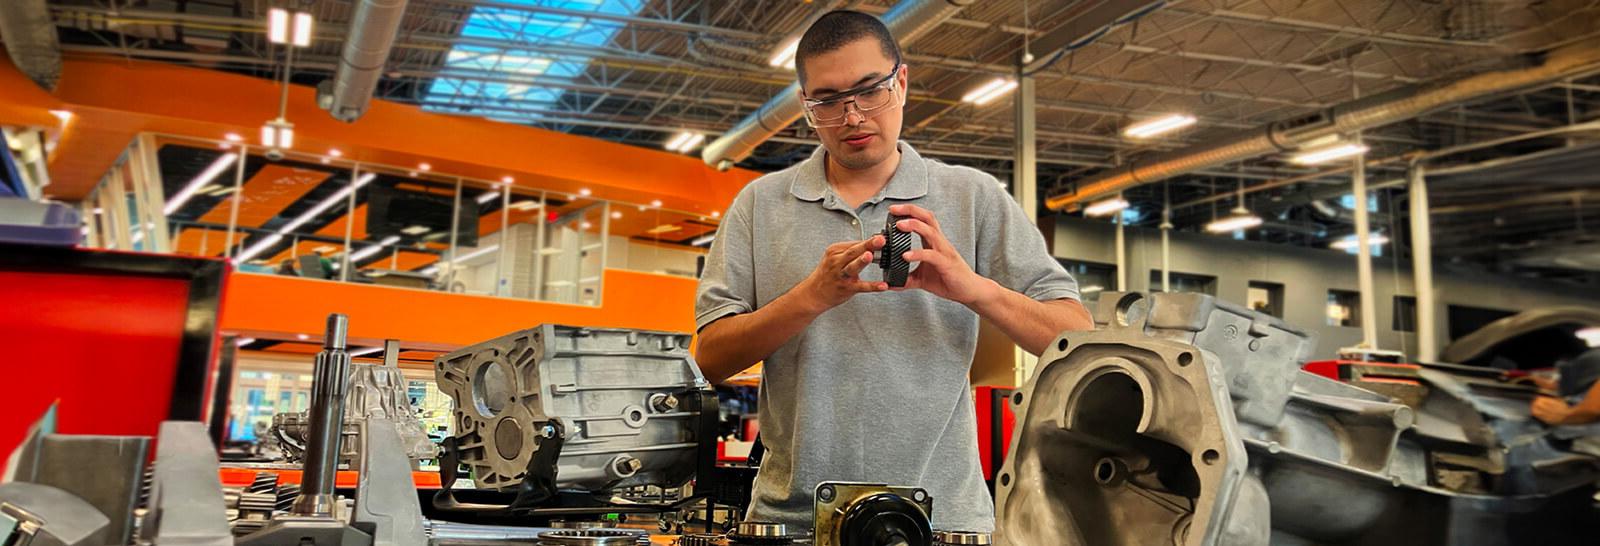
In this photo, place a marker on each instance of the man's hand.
(838, 276)
(1550, 410)
(941, 269)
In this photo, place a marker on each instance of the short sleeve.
(727, 284)
(1012, 251)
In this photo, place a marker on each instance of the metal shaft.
(327, 421)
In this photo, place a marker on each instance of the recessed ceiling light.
(616, 215)
(507, 179)
(586, 225)
(335, 152)
(414, 230)
(233, 137)
(663, 228)
(656, 203)
(716, 214)
(302, 337)
(424, 167)
(584, 192)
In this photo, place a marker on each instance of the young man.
(862, 383)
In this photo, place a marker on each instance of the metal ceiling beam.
(1385, 37)
(1085, 19)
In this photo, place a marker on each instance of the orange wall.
(264, 304)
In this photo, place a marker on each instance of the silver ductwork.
(30, 39)
(1378, 110)
(907, 20)
(366, 50)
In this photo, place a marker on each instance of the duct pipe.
(907, 20)
(1374, 111)
(366, 51)
(1422, 264)
(30, 40)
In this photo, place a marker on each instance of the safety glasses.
(869, 100)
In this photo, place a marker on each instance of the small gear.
(701, 539)
(892, 259)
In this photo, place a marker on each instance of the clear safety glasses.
(831, 111)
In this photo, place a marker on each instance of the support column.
(1422, 264)
(1025, 187)
(1369, 315)
(1166, 250)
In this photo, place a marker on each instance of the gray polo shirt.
(876, 389)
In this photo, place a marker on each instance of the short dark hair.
(839, 27)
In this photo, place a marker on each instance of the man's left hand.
(940, 269)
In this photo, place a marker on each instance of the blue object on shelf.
(30, 222)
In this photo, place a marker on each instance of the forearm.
(1031, 324)
(732, 344)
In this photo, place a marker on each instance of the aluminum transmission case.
(1126, 439)
(616, 395)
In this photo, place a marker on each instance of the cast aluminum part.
(850, 514)
(1187, 420)
(375, 391)
(608, 390)
(186, 505)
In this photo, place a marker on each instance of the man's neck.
(856, 186)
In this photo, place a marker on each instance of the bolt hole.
(635, 415)
(1005, 479)
(1061, 345)
(1104, 471)
(1210, 456)
(1185, 359)
(1016, 399)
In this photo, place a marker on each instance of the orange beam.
(116, 98)
(271, 303)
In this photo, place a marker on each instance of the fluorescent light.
(414, 230)
(327, 203)
(374, 249)
(526, 204)
(1105, 207)
(303, 25)
(243, 341)
(430, 270)
(1330, 153)
(1240, 220)
(703, 240)
(487, 197)
(324, 249)
(64, 115)
(1164, 124)
(199, 181)
(278, 26)
(987, 92)
(1349, 242)
(277, 133)
(693, 142)
(1091, 289)
(366, 351)
(677, 143)
(258, 248)
(286, 136)
(475, 253)
(1590, 335)
(785, 55)
(269, 136)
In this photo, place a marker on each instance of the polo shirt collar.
(910, 180)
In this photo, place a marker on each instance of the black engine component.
(864, 514)
(892, 259)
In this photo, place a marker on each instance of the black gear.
(892, 259)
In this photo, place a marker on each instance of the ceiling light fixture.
(64, 115)
(243, 341)
(414, 230)
(1160, 125)
(303, 25)
(685, 141)
(278, 26)
(1240, 219)
(703, 240)
(233, 137)
(784, 57)
(281, 31)
(1105, 207)
(616, 215)
(302, 337)
(988, 92)
(584, 192)
(424, 167)
(1329, 153)
(335, 152)
(487, 197)
(1349, 242)
(656, 203)
(716, 214)
(373, 249)
(304, 217)
(585, 225)
(507, 179)
(366, 351)
(526, 204)
(205, 177)
(278, 133)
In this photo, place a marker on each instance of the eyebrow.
(864, 80)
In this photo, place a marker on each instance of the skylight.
(547, 48)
